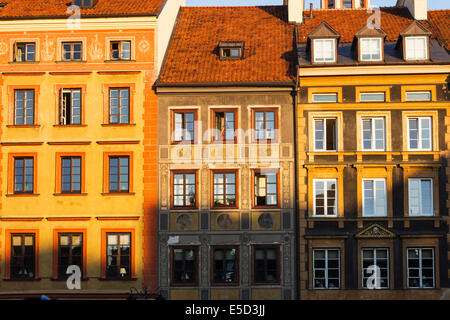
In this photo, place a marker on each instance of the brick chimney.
(295, 10)
(417, 8)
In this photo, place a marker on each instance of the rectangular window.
(184, 189)
(225, 265)
(224, 189)
(23, 256)
(119, 174)
(324, 97)
(347, 4)
(326, 268)
(184, 266)
(118, 255)
(24, 52)
(184, 124)
(420, 193)
(119, 105)
(370, 49)
(372, 97)
(375, 257)
(71, 174)
(224, 125)
(421, 268)
(330, 4)
(120, 50)
(266, 264)
(418, 96)
(374, 197)
(70, 252)
(72, 51)
(265, 125)
(325, 134)
(325, 197)
(266, 188)
(373, 134)
(23, 107)
(70, 107)
(416, 48)
(24, 175)
(324, 50)
(419, 134)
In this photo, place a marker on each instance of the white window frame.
(408, 56)
(325, 181)
(374, 250)
(421, 213)
(374, 197)
(420, 138)
(420, 268)
(373, 148)
(325, 269)
(428, 92)
(372, 93)
(325, 134)
(370, 51)
(316, 51)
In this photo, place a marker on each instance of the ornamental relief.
(244, 187)
(164, 186)
(286, 184)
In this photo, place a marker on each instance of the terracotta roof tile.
(269, 52)
(439, 21)
(33, 9)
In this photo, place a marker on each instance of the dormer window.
(231, 50)
(416, 48)
(370, 49)
(84, 3)
(347, 4)
(324, 50)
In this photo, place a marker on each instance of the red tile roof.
(34, 9)
(269, 51)
(439, 21)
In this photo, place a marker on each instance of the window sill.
(117, 279)
(11, 279)
(119, 60)
(22, 194)
(218, 208)
(62, 279)
(223, 142)
(70, 61)
(69, 125)
(183, 143)
(118, 193)
(266, 207)
(70, 194)
(184, 208)
(23, 125)
(23, 62)
(265, 141)
(118, 124)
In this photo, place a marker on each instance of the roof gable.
(367, 32)
(415, 29)
(375, 231)
(324, 30)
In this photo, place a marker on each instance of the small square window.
(231, 50)
(72, 51)
(120, 50)
(24, 52)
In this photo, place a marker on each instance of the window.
(325, 197)
(370, 49)
(184, 266)
(72, 51)
(420, 267)
(418, 96)
(184, 124)
(23, 107)
(373, 134)
(119, 105)
(224, 125)
(118, 255)
(420, 191)
(70, 252)
(324, 97)
(71, 174)
(119, 174)
(23, 259)
(224, 186)
(231, 53)
(326, 268)
(347, 4)
(225, 265)
(325, 134)
(374, 197)
(372, 97)
(23, 175)
(375, 257)
(70, 107)
(265, 124)
(184, 189)
(324, 50)
(419, 134)
(120, 50)
(84, 3)
(24, 52)
(265, 264)
(330, 4)
(416, 48)
(231, 50)
(266, 188)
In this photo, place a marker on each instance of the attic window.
(3, 4)
(370, 49)
(84, 3)
(416, 48)
(324, 50)
(231, 50)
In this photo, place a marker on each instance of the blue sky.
(432, 4)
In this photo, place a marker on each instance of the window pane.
(372, 97)
(328, 97)
(418, 96)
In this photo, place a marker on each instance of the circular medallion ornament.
(184, 221)
(224, 221)
(265, 221)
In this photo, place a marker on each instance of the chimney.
(417, 8)
(295, 10)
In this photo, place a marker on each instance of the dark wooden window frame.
(172, 173)
(119, 42)
(278, 251)
(72, 51)
(254, 172)
(237, 265)
(119, 157)
(119, 114)
(24, 117)
(253, 126)
(172, 126)
(172, 269)
(224, 171)
(213, 125)
(24, 175)
(71, 158)
(23, 235)
(70, 234)
(118, 234)
(26, 44)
